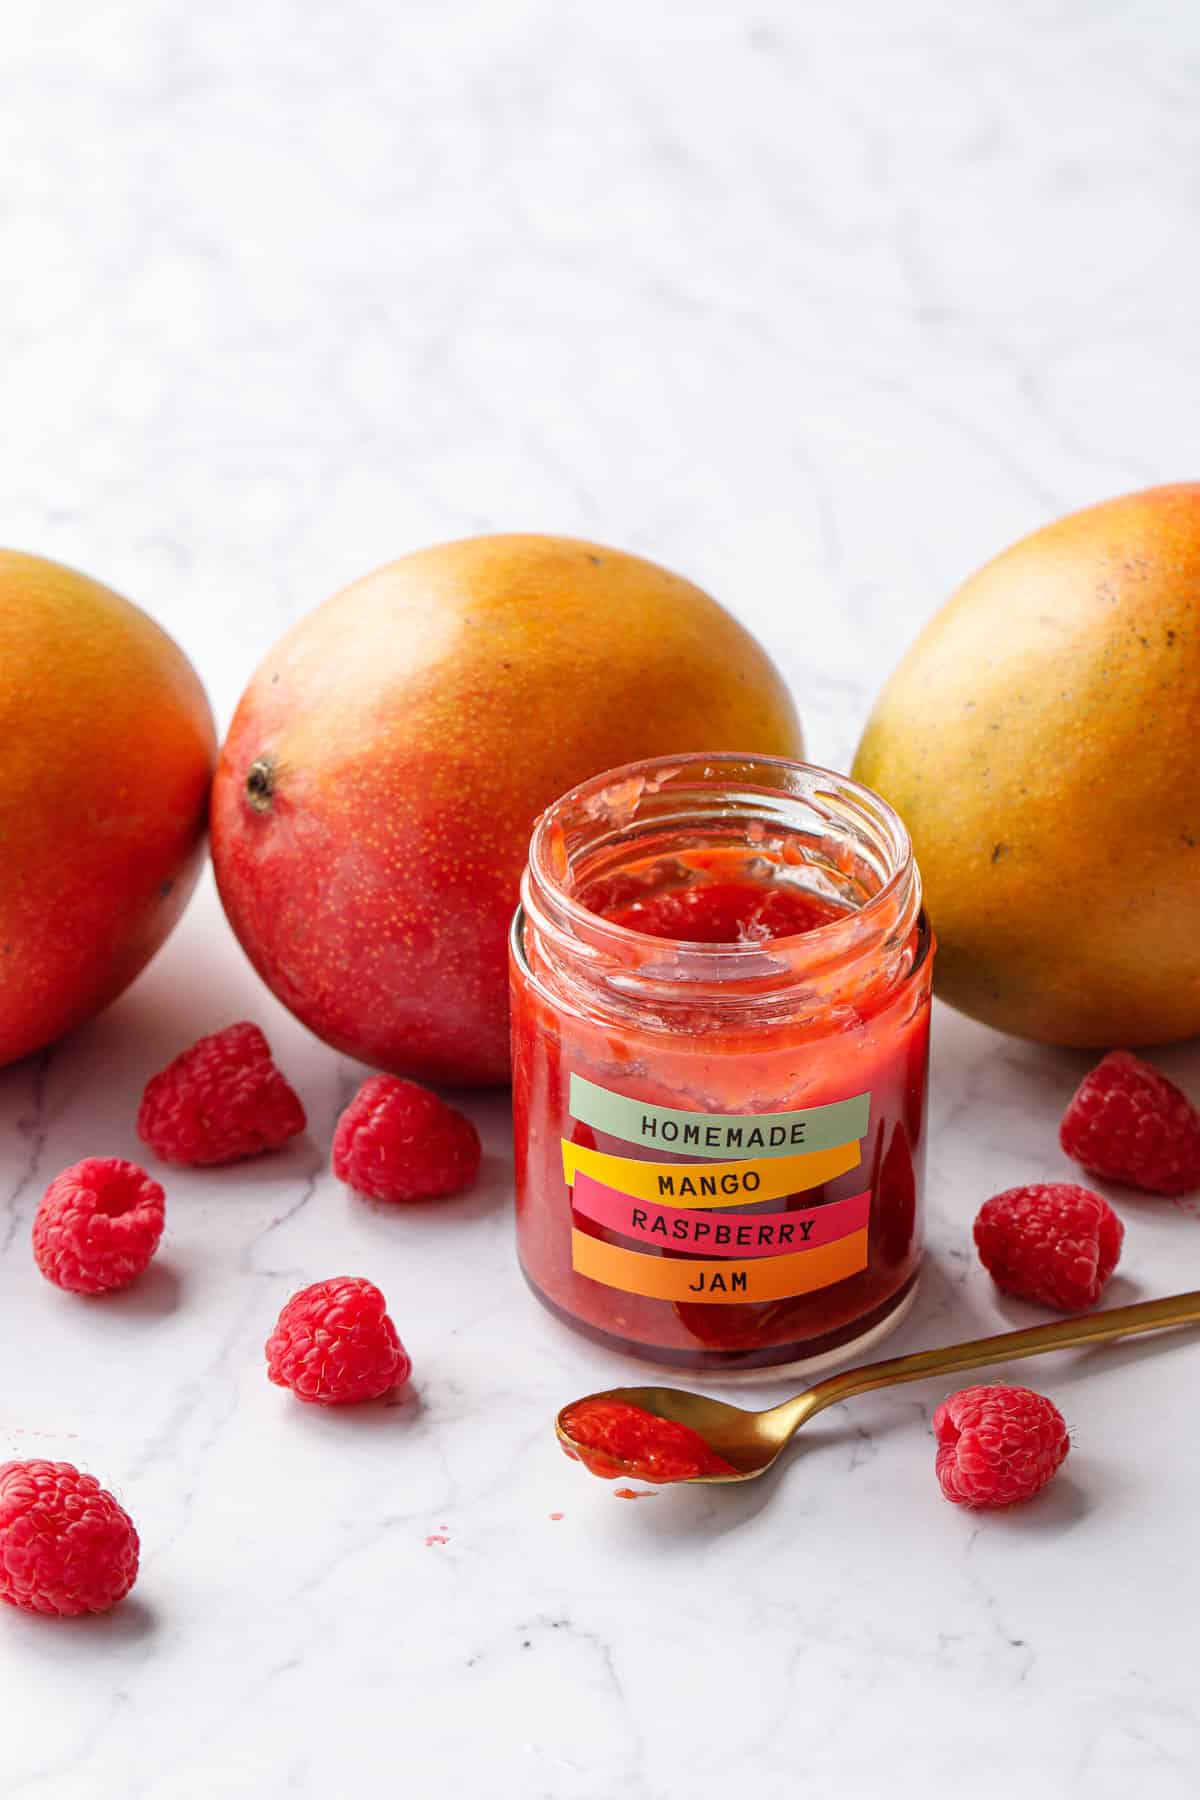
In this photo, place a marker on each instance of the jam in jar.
(721, 995)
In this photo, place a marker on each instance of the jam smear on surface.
(612, 1437)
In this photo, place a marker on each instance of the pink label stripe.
(716, 1233)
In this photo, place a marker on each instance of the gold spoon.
(751, 1441)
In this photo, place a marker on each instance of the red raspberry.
(397, 1141)
(335, 1344)
(220, 1101)
(1128, 1123)
(66, 1546)
(98, 1225)
(997, 1445)
(1050, 1242)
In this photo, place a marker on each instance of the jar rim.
(800, 783)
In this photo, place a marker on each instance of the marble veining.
(823, 307)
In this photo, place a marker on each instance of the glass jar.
(719, 1145)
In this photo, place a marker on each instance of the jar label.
(718, 1134)
(692, 1213)
(710, 1184)
(727, 1281)
(760, 1234)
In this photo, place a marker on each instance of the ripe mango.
(1041, 739)
(375, 795)
(106, 753)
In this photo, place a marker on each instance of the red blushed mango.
(106, 753)
(1039, 740)
(376, 792)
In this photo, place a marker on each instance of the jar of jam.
(721, 994)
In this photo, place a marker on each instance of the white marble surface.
(821, 306)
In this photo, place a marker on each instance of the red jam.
(721, 996)
(715, 911)
(611, 1437)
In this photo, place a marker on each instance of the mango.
(1040, 739)
(375, 795)
(106, 753)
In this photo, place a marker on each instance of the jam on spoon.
(611, 1437)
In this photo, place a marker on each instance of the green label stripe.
(719, 1135)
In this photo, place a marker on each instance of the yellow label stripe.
(710, 1183)
(718, 1283)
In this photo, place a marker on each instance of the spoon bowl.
(748, 1440)
(752, 1441)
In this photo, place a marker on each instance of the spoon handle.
(1063, 1334)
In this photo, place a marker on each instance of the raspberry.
(1128, 1123)
(334, 1344)
(997, 1445)
(1050, 1242)
(220, 1101)
(397, 1141)
(66, 1546)
(98, 1225)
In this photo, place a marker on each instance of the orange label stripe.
(719, 1282)
(710, 1183)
